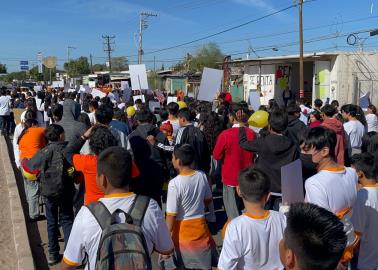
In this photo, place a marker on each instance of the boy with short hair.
(188, 194)
(365, 210)
(57, 188)
(251, 239)
(314, 239)
(114, 173)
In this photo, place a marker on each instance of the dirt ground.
(7, 248)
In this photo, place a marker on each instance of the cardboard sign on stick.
(171, 99)
(254, 100)
(138, 76)
(210, 84)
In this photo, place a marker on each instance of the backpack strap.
(101, 213)
(138, 209)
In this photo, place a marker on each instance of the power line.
(223, 31)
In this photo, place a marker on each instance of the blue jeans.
(58, 209)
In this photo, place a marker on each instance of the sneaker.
(54, 259)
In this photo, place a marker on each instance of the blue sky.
(50, 26)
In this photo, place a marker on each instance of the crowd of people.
(105, 169)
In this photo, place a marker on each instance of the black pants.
(5, 124)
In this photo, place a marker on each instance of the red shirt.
(234, 157)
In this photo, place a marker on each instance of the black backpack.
(122, 245)
(195, 137)
(55, 172)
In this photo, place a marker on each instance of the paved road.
(37, 231)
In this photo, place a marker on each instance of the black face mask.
(308, 166)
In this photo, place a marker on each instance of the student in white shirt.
(371, 118)
(251, 240)
(93, 106)
(353, 127)
(334, 187)
(114, 167)
(365, 210)
(4, 111)
(173, 109)
(314, 239)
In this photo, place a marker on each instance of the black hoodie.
(274, 151)
(152, 162)
(295, 129)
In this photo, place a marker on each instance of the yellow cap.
(130, 111)
(182, 105)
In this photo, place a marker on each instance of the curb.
(21, 241)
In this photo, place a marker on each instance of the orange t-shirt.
(87, 164)
(32, 141)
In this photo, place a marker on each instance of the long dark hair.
(28, 124)
(212, 127)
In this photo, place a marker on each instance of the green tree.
(119, 63)
(210, 55)
(99, 67)
(77, 67)
(3, 69)
(44, 76)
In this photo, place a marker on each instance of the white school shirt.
(86, 232)
(252, 243)
(334, 190)
(186, 196)
(372, 122)
(365, 221)
(355, 131)
(5, 105)
(92, 118)
(16, 150)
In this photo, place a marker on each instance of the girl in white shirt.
(353, 127)
(371, 118)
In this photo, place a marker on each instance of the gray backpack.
(122, 245)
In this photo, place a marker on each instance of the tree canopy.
(3, 69)
(77, 67)
(207, 56)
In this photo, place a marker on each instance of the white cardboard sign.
(292, 183)
(210, 84)
(138, 77)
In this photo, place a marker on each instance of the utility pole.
(109, 48)
(91, 63)
(142, 26)
(301, 79)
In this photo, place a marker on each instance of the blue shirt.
(121, 126)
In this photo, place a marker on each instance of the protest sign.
(365, 101)
(254, 100)
(139, 97)
(210, 84)
(98, 93)
(152, 104)
(58, 84)
(138, 76)
(292, 182)
(171, 99)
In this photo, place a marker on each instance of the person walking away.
(273, 150)
(330, 122)
(99, 138)
(188, 194)
(251, 239)
(371, 118)
(114, 173)
(234, 158)
(354, 129)
(57, 188)
(151, 161)
(30, 141)
(4, 111)
(295, 128)
(323, 234)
